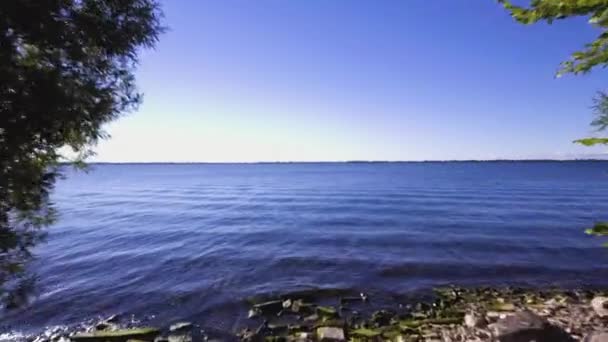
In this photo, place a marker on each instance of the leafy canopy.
(595, 53)
(67, 68)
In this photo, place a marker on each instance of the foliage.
(66, 68)
(599, 229)
(595, 54)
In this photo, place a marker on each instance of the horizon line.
(353, 161)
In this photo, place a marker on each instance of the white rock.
(473, 320)
(330, 334)
(596, 337)
(600, 306)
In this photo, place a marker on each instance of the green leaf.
(599, 229)
(592, 141)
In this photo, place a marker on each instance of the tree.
(67, 68)
(595, 54)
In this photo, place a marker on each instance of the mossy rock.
(413, 324)
(364, 332)
(275, 339)
(326, 311)
(330, 323)
(122, 335)
(503, 307)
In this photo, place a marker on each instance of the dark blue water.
(193, 241)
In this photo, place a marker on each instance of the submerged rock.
(269, 308)
(121, 335)
(524, 326)
(600, 306)
(326, 311)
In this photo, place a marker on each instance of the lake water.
(193, 241)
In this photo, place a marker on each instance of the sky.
(336, 80)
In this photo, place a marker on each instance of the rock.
(326, 311)
(180, 338)
(296, 305)
(382, 317)
(180, 326)
(493, 316)
(503, 307)
(269, 308)
(600, 306)
(524, 326)
(596, 337)
(253, 313)
(103, 326)
(301, 337)
(121, 335)
(366, 333)
(330, 334)
(311, 318)
(474, 320)
(112, 319)
(287, 304)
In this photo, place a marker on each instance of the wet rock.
(248, 335)
(180, 338)
(121, 335)
(326, 311)
(600, 306)
(382, 317)
(330, 334)
(103, 326)
(499, 306)
(277, 329)
(262, 328)
(366, 333)
(180, 326)
(524, 326)
(311, 318)
(301, 337)
(596, 337)
(296, 305)
(269, 308)
(253, 313)
(112, 319)
(474, 320)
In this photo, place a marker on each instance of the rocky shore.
(452, 314)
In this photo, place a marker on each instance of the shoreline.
(451, 314)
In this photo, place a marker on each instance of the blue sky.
(321, 80)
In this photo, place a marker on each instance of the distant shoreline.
(356, 162)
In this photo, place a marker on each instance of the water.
(193, 241)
